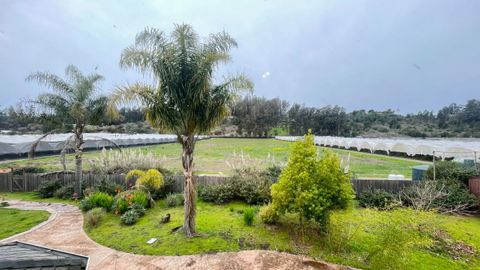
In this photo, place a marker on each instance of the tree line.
(258, 116)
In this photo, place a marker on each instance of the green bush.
(268, 214)
(149, 181)
(311, 185)
(94, 217)
(46, 189)
(108, 187)
(65, 192)
(248, 216)
(128, 198)
(24, 170)
(97, 199)
(449, 170)
(377, 198)
(174, 199)
(140, 210)
(249, 185)
(219, 194)
(130, 217)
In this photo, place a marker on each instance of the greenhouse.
(458, 148)
(21, 144)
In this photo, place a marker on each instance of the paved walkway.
(64, 231)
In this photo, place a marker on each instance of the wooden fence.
(30, 181)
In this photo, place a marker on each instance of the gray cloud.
(407, 55)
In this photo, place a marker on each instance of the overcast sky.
(405, 55)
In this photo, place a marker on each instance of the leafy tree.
(256, 116)
(311, 186)
(74, 102)
(184, 98)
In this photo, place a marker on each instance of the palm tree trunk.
(78, 158)
(188, 144)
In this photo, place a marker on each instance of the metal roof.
(20, 255)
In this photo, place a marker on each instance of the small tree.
(73, 103)
(311, 186)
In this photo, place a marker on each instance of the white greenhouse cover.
(454, 147)
(21, 144)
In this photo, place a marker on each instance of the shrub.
(24, 170)
(97, 199)
(248, 216)
(446, 196)
(94, 217)
(65, 192)
(174, 199)
(150, 180)
(47, 188)
(128, 198)
(247, 184)
(130, 217)
(167, 188)
(448, 170)
(108, 187)
(218, 194)
(311, 186)
(377, 198)
(268, 214)
(140, 210)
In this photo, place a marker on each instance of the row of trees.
(258, 116)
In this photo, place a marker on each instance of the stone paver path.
(64, 231)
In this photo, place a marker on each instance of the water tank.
(419, 171)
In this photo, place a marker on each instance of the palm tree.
(74, 102)
(184, 97)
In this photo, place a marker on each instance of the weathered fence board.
(30, 182)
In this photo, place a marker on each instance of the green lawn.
(14, 221)
(33, 197)
(354, 236)
(211, 156)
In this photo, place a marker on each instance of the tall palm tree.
(74, 102)
(184, 98)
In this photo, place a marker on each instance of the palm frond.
(137, 92)
(52, 81)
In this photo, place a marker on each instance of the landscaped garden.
(292, 197)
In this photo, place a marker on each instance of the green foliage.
(449, 170)
(97, 199)
(268, 214)
(108, 187)
(311, 186)
(377, 198)
(249, 216)
(46, 189)
(174, 199)
(139, 209)
(248, 184)
(23, 170)
(128, 198)
(149, 181)
(65, 192)
(94, 217)
(130, 217)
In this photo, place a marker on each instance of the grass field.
(355, 235)
(211, 157)
(14, 221)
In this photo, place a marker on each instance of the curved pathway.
(64, 231)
